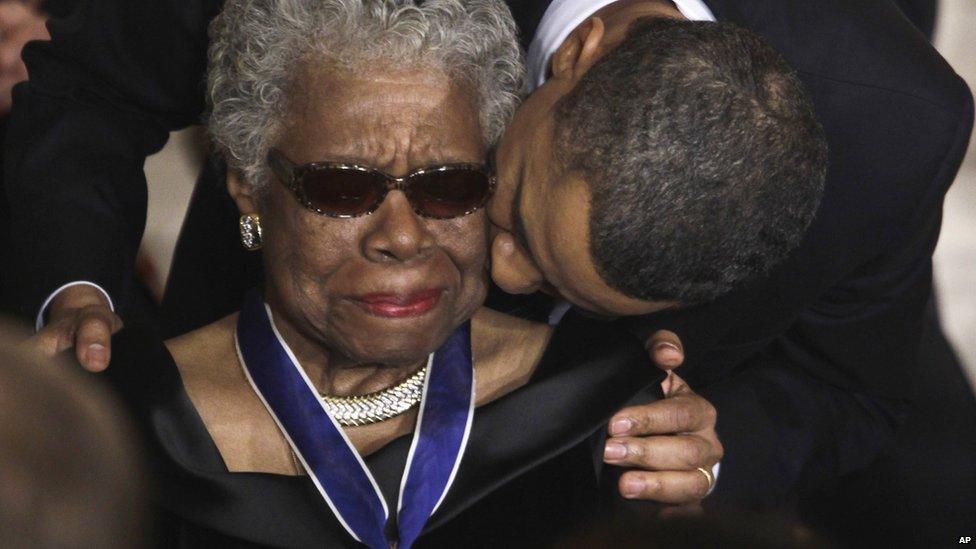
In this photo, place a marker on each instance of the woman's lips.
(399, 305)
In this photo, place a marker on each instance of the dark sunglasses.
(347, 190)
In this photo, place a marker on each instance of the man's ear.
(579, 51)
(243, 194)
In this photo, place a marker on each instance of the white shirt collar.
(563, 16)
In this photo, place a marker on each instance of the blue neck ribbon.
(332, 462)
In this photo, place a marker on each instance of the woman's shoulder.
(506, 351)
(206, 359)
(238, 422)
(520, 350)
(495, 331)
(206, 351)
(146, 378)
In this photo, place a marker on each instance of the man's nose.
(397, 232)
(512, 267)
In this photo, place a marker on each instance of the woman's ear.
(243, 194)
(579, 51)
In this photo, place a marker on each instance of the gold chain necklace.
(379, 406)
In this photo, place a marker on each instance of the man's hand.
(20, 22)
(665, 441)
(82, 318)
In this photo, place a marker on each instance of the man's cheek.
(499, 211)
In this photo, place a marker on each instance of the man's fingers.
(677, 385)
(662, 453)
(683, 413)
(666, 352)
(664, 486)
(674, 385)
(93, 342)
(665, 349)
(89, 330)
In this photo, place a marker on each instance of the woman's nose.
(398, 233)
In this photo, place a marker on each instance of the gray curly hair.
(256, 45)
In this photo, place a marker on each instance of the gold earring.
(251, 234)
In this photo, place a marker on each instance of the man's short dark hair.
(703, 157)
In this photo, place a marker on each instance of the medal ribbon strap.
(441, 436)
(328, 456)
(333, 465)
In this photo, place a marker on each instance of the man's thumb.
(665, 349)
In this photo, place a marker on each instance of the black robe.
(531, 474)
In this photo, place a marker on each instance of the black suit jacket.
(833, 334)
(809, 369)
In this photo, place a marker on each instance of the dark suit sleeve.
(825, 397)
(785, 432)
(815, 404)
(116, 78)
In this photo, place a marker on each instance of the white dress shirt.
(39, 321)
(563, 16)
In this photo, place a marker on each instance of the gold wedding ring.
(708, 476)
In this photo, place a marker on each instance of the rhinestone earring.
(251, 235)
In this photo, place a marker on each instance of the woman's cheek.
(476, 273)
(470, 241)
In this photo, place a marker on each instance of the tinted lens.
(342, 191)
(449, 193)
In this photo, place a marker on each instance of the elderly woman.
(339, 405)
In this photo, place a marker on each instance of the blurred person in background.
(69, 472)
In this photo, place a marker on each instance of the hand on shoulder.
(670, 444)
(80, 317)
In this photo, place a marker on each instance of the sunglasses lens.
(343, 192)
(449, 193)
